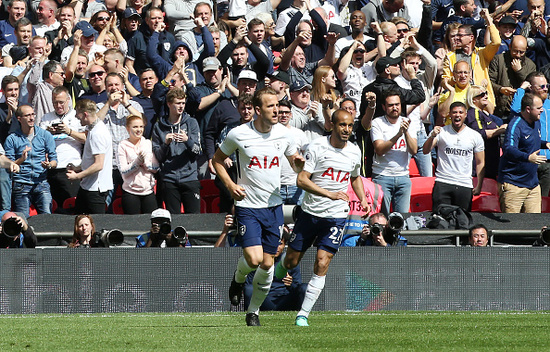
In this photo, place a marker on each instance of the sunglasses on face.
(543, 86)
(359, 51)
(403, 30)
(481, 95)
(93, 74)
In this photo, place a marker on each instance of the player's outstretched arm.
(304, 182)
(357, 185)
(236, 191)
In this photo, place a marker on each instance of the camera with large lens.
(390, 231)
(11, 228)
(107, 238)
(180, 235)
(544, 238)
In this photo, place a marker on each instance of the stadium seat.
(215, 205)
(490, 186)
(32, 211)
(182, 210)
(54, 206)
(69, 203)
(422, 185)
(117, 207)
(485, 203)
(203, 206)
(421, 202)
(546, 204)
(209, 188)
(413, 169)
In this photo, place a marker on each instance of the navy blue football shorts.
(262, 226)
(323, 233)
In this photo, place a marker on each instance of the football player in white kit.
(331, 163)
(259, 146)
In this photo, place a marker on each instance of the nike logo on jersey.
(527, 137)
(247, 146)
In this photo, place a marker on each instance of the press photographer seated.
(16, 233)
(86, 236)
(381, 232)
(161, 234)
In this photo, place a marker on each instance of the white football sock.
(261, 284)
(242, 270)
(314, 288)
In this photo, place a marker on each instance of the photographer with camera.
(16, 232)
(84, 228)
(383, 232)
(161, 234)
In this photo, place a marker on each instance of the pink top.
(138, 176)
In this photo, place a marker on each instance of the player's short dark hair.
(148, 13)
(350, 100)
(114, 74)
(147, 69)
(527, 100)
(257, 100)
(458, 103)
(468, 29)
(50, 67)
(390, 93)
(245, 99)
(409, 52)
(9, 79)
(337, 113)
(22, 22)
(286, 103)
(255, 22)
(458, 3)
(531, 77)
(477, 226)
(175, 93)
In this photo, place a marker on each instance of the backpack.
(449, 217)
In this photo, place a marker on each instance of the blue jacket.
(544, 117)
(521, 140)
(42, 145)
(178, 161)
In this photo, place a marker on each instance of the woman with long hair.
(137, 164)
(488, 125)
(323, 90)
(449, 44)
(84, 229)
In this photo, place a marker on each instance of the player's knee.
(253, 262)
(291, 262)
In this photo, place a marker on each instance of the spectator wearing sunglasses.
(537, 83)
(96, 78)
(488, 125)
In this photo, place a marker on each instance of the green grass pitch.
(386, 331)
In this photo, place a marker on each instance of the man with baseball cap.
(388, 69)
(136, 59)
(279, 81)
(306, 114)
(203, 99)
(161, 234)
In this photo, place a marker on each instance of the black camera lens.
(165, 228)
(11, 228)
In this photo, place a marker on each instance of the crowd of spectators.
(137, 95)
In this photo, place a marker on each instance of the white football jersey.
(331, 169)
(259, 162)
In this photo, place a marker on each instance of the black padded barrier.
(59, 280)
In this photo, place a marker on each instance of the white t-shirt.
(288, 175)
(259, 162)
(68, 149)
(66, 53)
(357, 79)
(396, 161)
(240, 8)
(98, 141)
(455, 155)
(331, 169)
(415, 114)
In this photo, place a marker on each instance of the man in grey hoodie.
(176, 144)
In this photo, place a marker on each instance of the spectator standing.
(519, 188)
(95, 173)
(137, 164)
(33, 149)
(176, 144)
(457, 145)
(69, 138)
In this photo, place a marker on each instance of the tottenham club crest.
(242, 230)
(308, 156)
